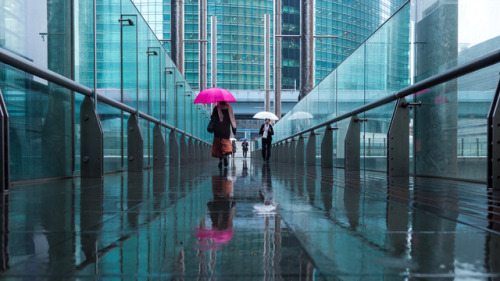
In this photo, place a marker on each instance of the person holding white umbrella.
(266, 130)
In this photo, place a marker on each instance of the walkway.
(201, 223)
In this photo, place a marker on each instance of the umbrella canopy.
(233, 139)
(265, 115)
(300, 115)
(214, 95)
(243, 139)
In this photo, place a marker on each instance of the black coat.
(270, 132)
(222, 129)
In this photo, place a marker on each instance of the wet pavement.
(251, 221)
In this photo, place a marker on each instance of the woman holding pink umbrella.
(224, 123)
(224, 120)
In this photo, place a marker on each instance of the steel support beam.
(306, 47)
(159, 149)
(203, 44)
(213, 61)
(173, 149)
(352, 146)
(267, 61)
(277, 58)
(311, 150)
(327, 148)
(177, 33)
(494, 142)
(91, 143)
(135, 145)
(398, 141)
(4, 147)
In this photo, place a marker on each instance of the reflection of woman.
(221, 211)
(224, 116)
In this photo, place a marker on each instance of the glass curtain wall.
(448, 131)
(132, 67)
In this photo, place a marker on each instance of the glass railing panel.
(39, 126)
(338, 143)
(451, 126)
(111, 126)
(373, 137)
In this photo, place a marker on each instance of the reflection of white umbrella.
(300, 115)
(265, 115)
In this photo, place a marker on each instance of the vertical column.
(352, 146)
(173, 149)
(91, 143)
(4, 146)
(299, 151)
(398, 141)
(311, 150)
(277, 58)
(494, 142)
(213, 34)
(203, 44)
(327, 148)
(177, 33)
(159, 155)
(267, 62)
(135, 145)
(306, 47)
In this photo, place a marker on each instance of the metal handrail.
(30, 67)
(455, 72)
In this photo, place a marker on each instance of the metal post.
(184, 150)
(299, 151)
(306, 47)
(135, 145)
(311, 150)
(327, 148)
(95, 52)
(277, 58)
(159, 148)
(190, 152)
(4, 147)
(91, 143)
(177, 33)
(203, 44)
(213, 35)
(494, 142)
(352, 146)
(267, 62)
(291, 151)
(398, 144)
(173, 149)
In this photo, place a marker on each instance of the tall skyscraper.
(240, 36)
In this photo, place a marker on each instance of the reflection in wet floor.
(251, 221)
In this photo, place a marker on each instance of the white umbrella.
(232, 139)
(300, 115)
(265, 115)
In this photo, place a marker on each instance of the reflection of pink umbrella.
(218, 237)
(214, 95)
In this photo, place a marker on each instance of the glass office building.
(240, 65)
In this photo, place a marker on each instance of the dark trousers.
(266, 149)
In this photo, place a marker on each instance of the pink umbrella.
(214, 95)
